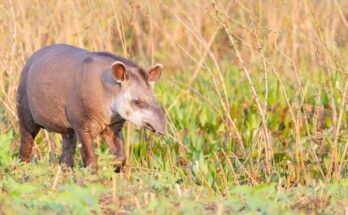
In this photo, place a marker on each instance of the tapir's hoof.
(119, 164)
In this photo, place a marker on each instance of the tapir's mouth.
(149, 126)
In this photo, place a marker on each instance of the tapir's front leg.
(120, 155)
(87, 153)
(115, 142)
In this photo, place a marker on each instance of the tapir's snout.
(157, 123)
(162, 130)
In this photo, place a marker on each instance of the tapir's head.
(136, 101)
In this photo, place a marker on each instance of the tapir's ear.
(118, 70)
(155, 73)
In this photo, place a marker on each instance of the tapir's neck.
(110, 89)
(117, 119)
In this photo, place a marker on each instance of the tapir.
(81, 95)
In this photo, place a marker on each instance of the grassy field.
(255, 95)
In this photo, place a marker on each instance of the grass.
(42, 186)
(256, 105)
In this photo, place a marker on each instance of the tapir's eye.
(139, 103)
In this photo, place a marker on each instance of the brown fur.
(70, 91)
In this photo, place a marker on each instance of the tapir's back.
(50, 78)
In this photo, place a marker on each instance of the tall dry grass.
(289, 40)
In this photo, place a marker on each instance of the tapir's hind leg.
(28, 134)
(28, 127)
(69, 148)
